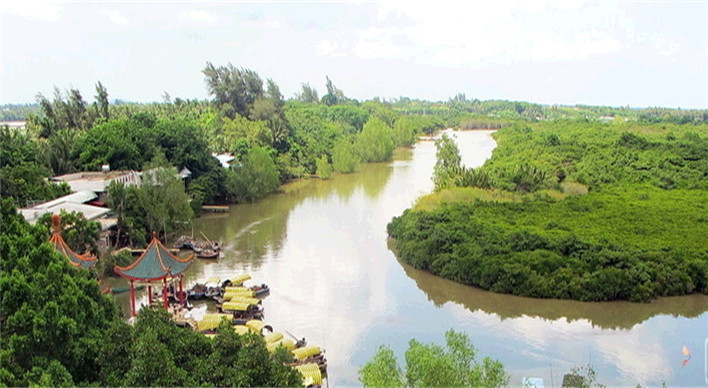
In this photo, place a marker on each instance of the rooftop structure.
(75, 202)
(97, 181)
(85, 261)
(224, 159)
(156, 263)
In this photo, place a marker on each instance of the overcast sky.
(566, 52)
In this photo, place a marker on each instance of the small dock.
(215, 208)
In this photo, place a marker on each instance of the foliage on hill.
(636, 235)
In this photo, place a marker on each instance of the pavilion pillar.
(164, 292)
(132, 298)
(181, 290)
(149, 294)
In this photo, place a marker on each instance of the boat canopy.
(208, 325)
(210, 336)
(243, 299)
(236, 306)
(212, 321)
(240, 279)
(311, 373)
(273, 337)
(213, 280)
(258, 326)
(216, 317)
(228, 295)
(288, 343)
(305, 352)
(241, 329)
(236, 289)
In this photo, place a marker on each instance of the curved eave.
(129, 277)
(76, 260)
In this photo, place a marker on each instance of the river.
(323, 249)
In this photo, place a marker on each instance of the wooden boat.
(258, 326)
(201, 245)
(208, 254)
(236, 281)
(261, 289)
(309, 355)
(236, 300)
(242, 312)
(208, 289)
(184, 242)
(311, 373)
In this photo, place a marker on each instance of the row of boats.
(204, 249)
(242, 307)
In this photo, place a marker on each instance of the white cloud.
(116, 18)
(375, 43)
(199, 16)
(33, 10)
(327, 48)
(473, 34)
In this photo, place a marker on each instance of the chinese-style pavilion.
(156, 263)
(85, 261)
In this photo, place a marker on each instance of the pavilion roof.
(155, 263)
(81, 261)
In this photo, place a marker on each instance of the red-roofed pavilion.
(156, 263)
(85, 261)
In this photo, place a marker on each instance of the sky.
(628, 53)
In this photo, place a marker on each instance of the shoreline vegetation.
(569, 210)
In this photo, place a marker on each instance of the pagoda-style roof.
(155, 263)
(81, 261)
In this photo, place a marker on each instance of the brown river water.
(322, 247)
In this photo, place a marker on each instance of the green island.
(570, 209)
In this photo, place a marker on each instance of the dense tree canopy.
(430, 365)
(23, 169)
(375, 142)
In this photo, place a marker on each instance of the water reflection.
(614, 315)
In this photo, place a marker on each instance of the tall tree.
(238, 88)
(334, 96)
(448, 162)
(102, 101)
(308, 94)
(375, 141)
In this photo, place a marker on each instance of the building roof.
(185, 173)
(81, 261)
(155, 263)
(224, 159)
(97, 181)
(69, 203)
